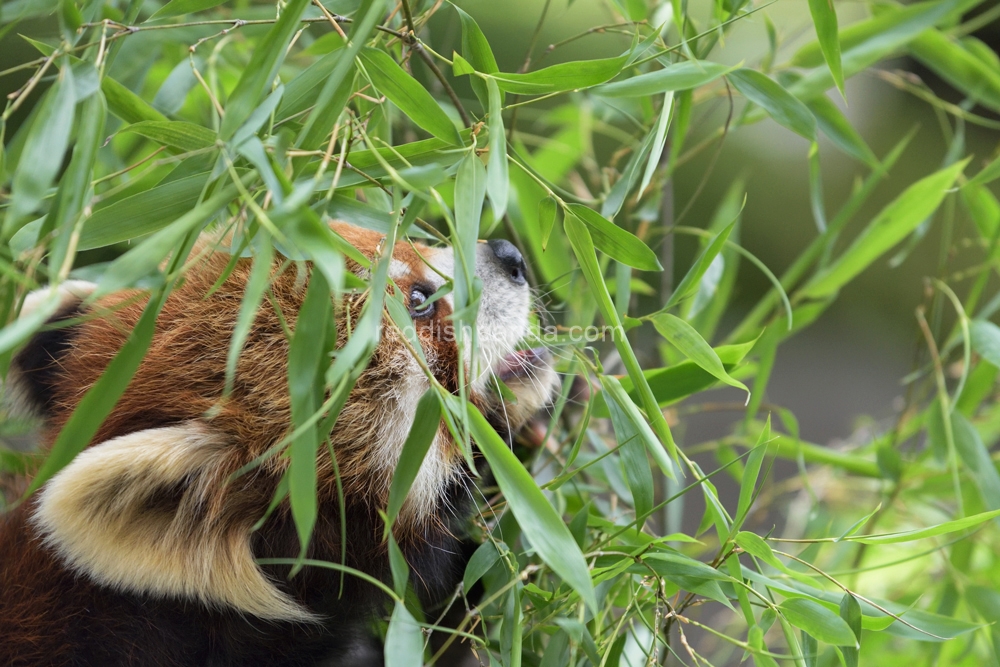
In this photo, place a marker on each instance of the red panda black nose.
(510, 259)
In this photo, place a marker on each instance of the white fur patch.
(99, 515)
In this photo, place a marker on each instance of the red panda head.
(161, 504)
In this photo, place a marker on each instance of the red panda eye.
(418, 303)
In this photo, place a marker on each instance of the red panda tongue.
(521, 363)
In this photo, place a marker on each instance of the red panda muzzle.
(144, 549)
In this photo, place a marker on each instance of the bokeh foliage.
(161, 120)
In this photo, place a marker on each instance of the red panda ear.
(136, 513)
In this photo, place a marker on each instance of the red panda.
(143, 550)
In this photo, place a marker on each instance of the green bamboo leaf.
(923, 533)
(679, 76)
(143, 259)
(470, 191)
(545, 529)
(681, 380)
(781, 105)
(125, 104)
(888, 228)
(986, 340)
(583, 248)
(689, 284)
(338, 86)
(562, 77)
(687, 573)
(987, 174)
(43, 152)
(75, 185)
(497, 179)
(257, 284)
(142, 213)
(174, 133)
(129, 218)
(478, 53)
(884, 35)
(755, 545)
(756, 640)
(616, 242)
(262, 69)
(306, 370)
(547, 213)
(173, 92)
(812, 617)
(630, 427)
(977, 460)
(750, 474)
(850, 611)
(411, 98)
(950, 60)
(404, 643)
(302, 91)
(887, 29)
(418, 442)
(816, 188)
(684, 337)
(832, 122)
(824, 18)
(619, 191)
(659, 140)
(180, 7)
(481, 562)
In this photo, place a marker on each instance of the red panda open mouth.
(521, 363)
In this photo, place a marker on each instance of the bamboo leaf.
(781, 105)
(306, 370)
(986, 340)
(548, 533)
(125, 104)
(411, 98)
(425, 426)
(497, 179)
(832, 122)
(562, 77)
(404, 643)
(679, 76)
(750, 474)
(478, 53)
(615, 241)
(43, 153)
(689, 284)
(824, 18)
(888, 228)
(959, 67)
(923, 533)
(262, 69)
(174, 133)
(630, 426)
(181, 7)
(684, 337)
(850, 611)
(812, 617)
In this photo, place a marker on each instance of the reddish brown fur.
(182, 378)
